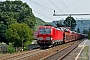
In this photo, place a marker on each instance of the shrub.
(26, 45)
(10, 48)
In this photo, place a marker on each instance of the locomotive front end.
(44, 36)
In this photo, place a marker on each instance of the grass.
(84, 55)
(86, 48)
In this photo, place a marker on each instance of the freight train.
(50, 36)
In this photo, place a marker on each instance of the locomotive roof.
(45, 26)
(58, 28)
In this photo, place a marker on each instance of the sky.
(44, 9)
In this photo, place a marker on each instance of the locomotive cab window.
(44, 31)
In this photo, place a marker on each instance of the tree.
(78, 30)
(19, 33)
(70, 22)
(4, 22)
(89, 29)
(85, 32)
(60, 24)
(12, 12)
(39, 22)
(89, 35)
(19, 11)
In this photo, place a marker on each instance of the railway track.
(17, 56)
(50, 52)
(38, 54)
(62, 53)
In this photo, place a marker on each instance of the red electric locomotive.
(48, 35)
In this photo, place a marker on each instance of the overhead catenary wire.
(51, 8)
(42, 15)
(56, 6)
(42, 5)
(80, 6)
(44, 9)
(65, 6)
(70, 5)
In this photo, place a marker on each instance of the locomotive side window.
(44, 31)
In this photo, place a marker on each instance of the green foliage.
(48, 24)
(86, 49)
(19, 33)
(13, 12)
(19, 11)
(70, 22)
(84, 54)
(78, 30)
(26, 45)
(58, 23)
(2, 29)
(85, 32)
(39, 22)
(89, 35)
(10, 48)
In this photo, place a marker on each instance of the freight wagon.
(50, 36)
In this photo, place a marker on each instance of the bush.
(10, 48)
(26, 45)
(89, 35)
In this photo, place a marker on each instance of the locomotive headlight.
(40, 38)
(37, 38)
(51, 38)
(48, 38)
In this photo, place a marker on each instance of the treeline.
(39, 22)
(89, 35)
(87, 32)
(17, 23)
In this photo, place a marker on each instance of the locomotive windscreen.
(44, 31)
